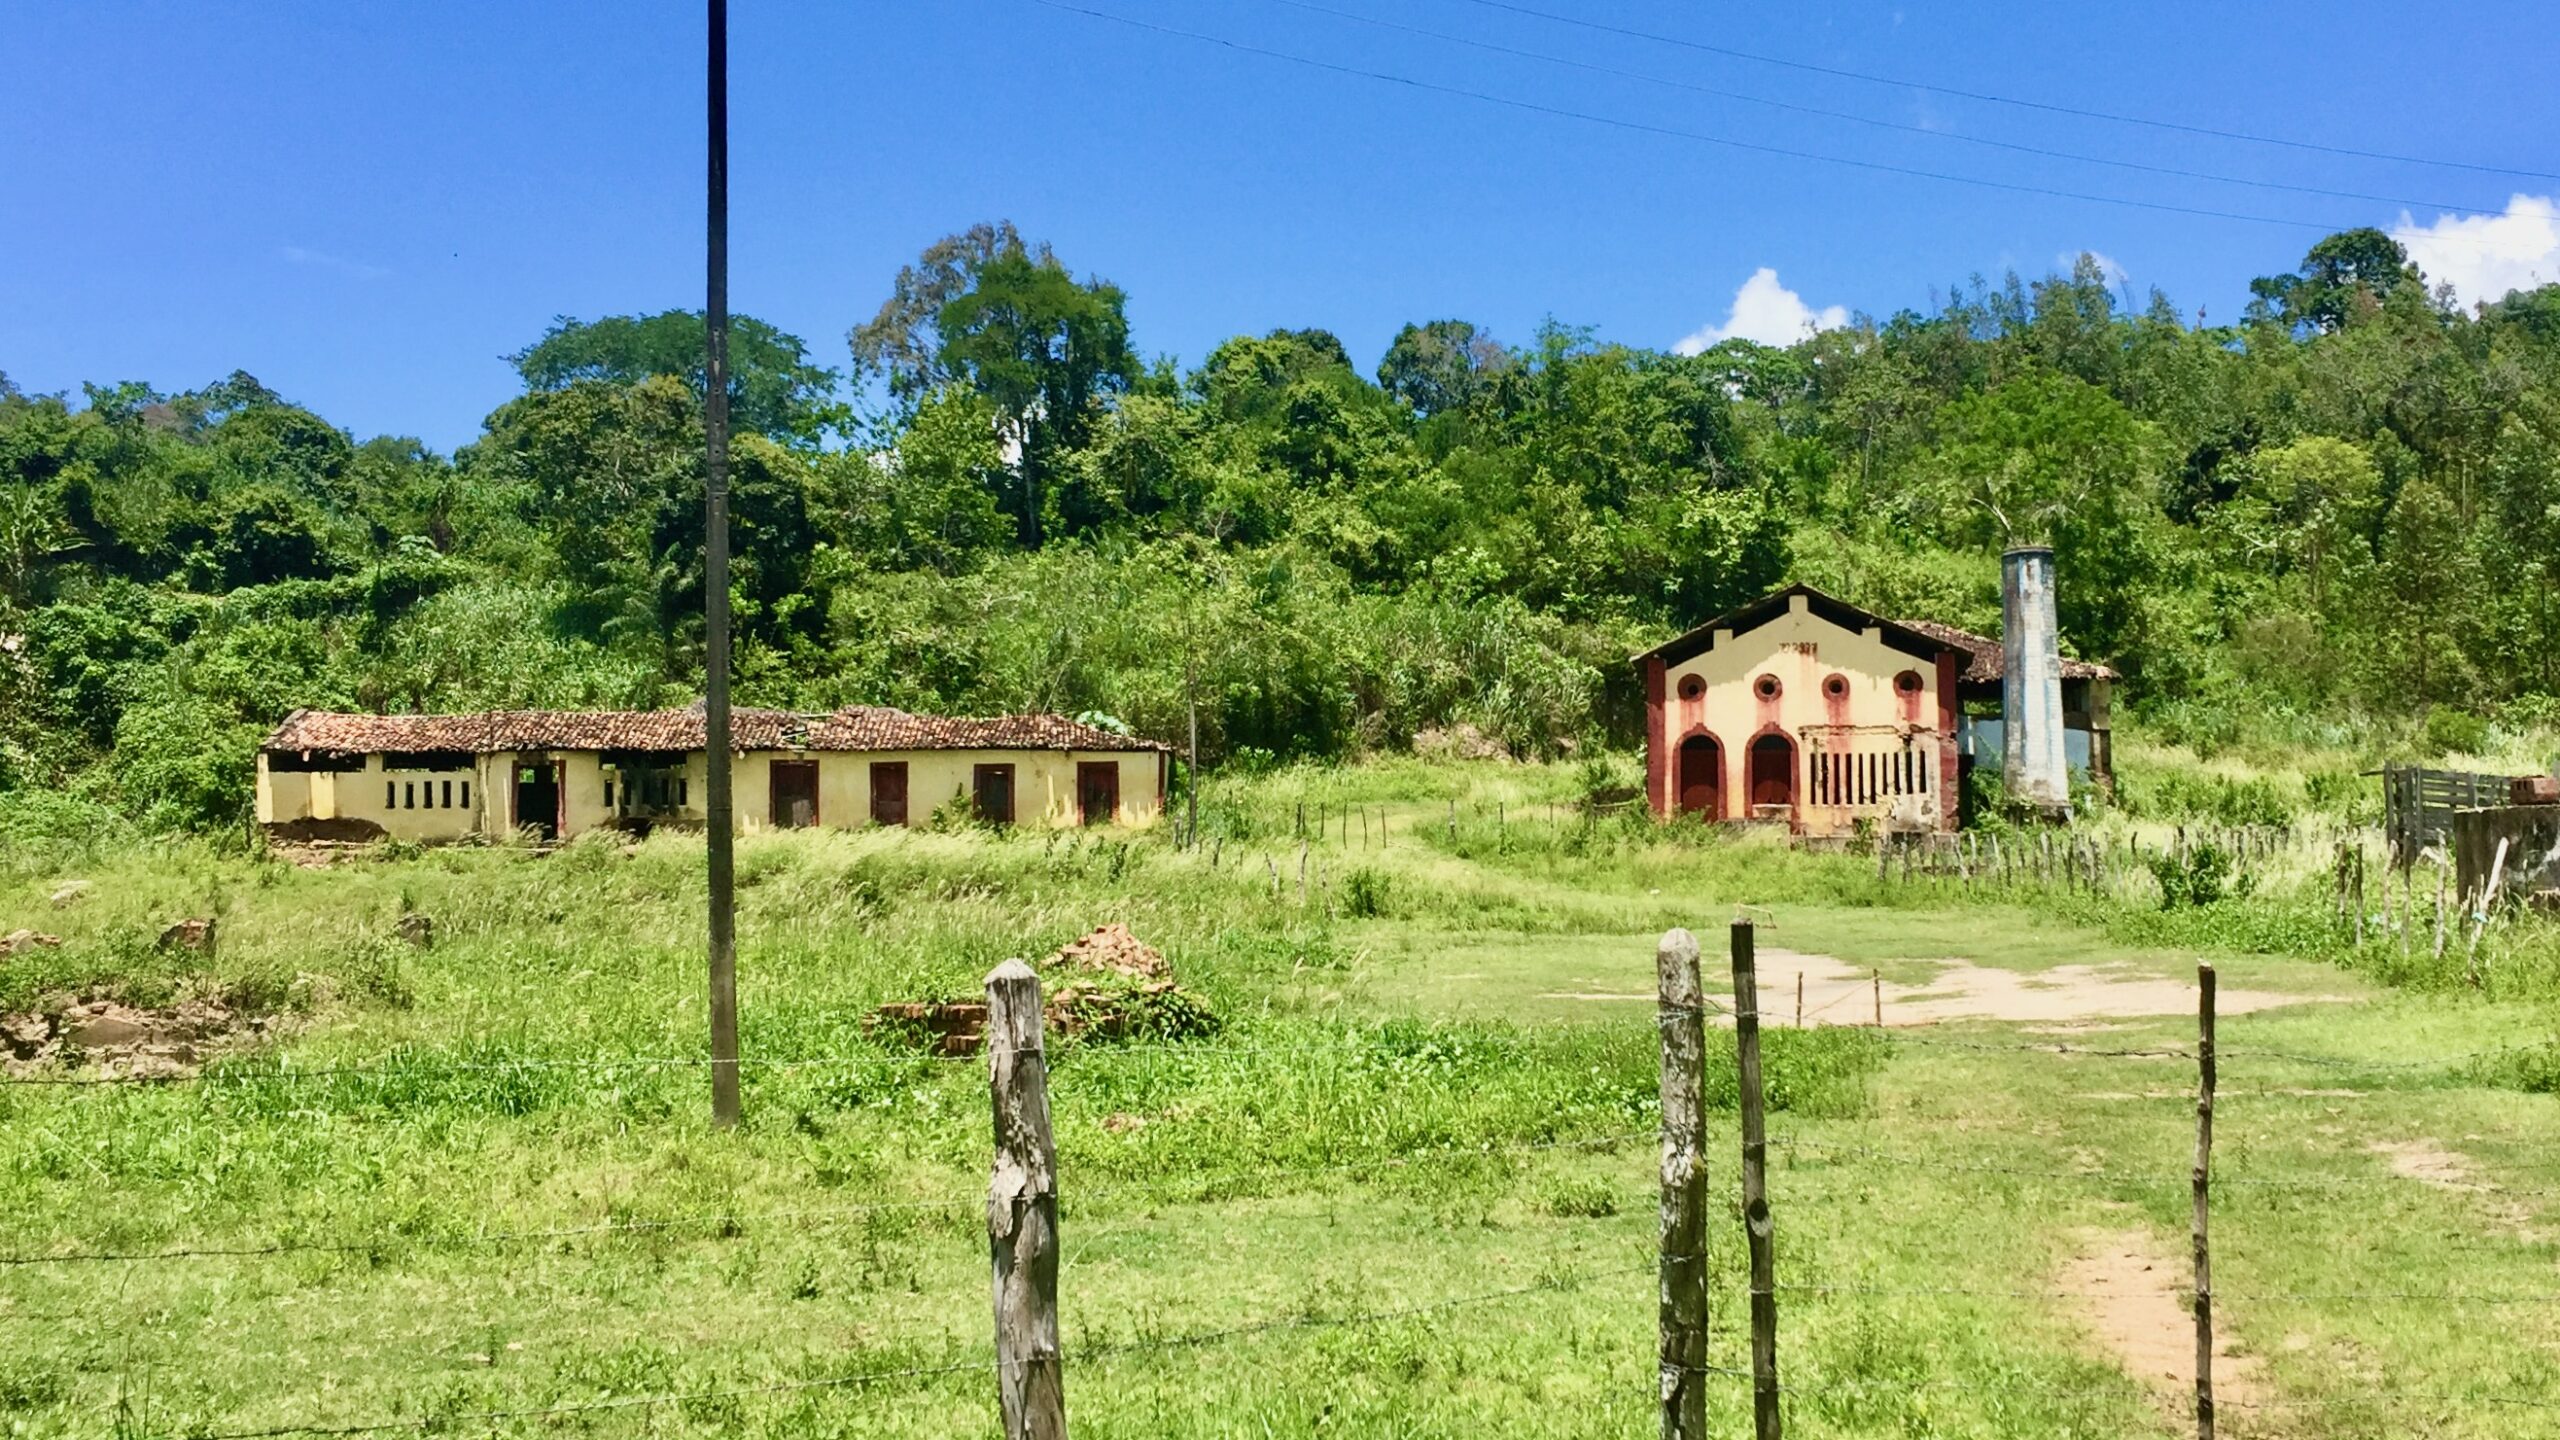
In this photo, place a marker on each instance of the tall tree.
(902, 344)
(774, 389)
(2347, 272)
(1047, 351)
(1441, 365)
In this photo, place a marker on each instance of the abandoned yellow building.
(1803, 710)
(557, 773)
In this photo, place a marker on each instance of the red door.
(888, 792)
(1773, 771)
(1702, 777)
(795, 794)
(1097, 791)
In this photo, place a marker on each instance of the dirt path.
(2129, 1297)
(1838, 993)
(2429, 1163)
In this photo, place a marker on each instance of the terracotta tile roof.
(1986, 662)
(855, 728)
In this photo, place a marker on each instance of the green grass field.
(1408, 1189)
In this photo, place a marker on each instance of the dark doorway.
(991, 793)
(538, 798)
(795, 793)
(1773, 771)
(1701, 778)
(888, 792)
(1097, 791)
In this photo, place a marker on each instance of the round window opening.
(1908, 682)
(1835, 686)
(1766, 687)
(1691, 687)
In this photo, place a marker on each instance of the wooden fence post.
(1022, 1212)
(1755, 1191)
(2357, 876)
(2444, 875)
(1682, 1004)
(2480, 918)
(2203, 1181)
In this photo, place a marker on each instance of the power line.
(1673, 132)
(1869, 120)
(1989, 98)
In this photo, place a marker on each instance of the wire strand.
(1895, 125)
(1673, 132)
(1988, 97)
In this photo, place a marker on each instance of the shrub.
(2456, 732)
(1585, 1197)
(181, 765)
(2204, 875)
(1366, 892)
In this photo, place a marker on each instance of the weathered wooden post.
(1683, 1019)
(1755, 1190)
(2203, 1185)
(2358, 879)
(1022, 1212)
(2480, 918)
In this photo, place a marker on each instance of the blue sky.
(366, 205)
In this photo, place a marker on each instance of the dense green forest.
(2342, 510)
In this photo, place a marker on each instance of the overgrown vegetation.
(2329, 524)
(1435, 1078)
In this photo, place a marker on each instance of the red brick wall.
(1949, 761)
(1657, 740)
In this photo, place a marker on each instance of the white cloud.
(2484, 256)
(297, 255)
(2068, 260)
(1768, 312)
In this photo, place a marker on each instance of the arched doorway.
(1701, 780)
(1773, 771)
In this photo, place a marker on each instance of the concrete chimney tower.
(2031, 731)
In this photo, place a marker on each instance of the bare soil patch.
(111, 1038)
(2068, 999)
(1838, 993)
(2429, 1163)
(2130, 1297)
(341, 831)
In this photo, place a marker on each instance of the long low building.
(555, 773)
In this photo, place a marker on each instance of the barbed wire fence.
(1026, 1206)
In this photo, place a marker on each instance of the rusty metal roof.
(677, 731)
(1985, 660)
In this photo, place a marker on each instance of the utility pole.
(1191, 776)
(721, 840)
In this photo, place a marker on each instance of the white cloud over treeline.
(1768, 312)
(2484, 256)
